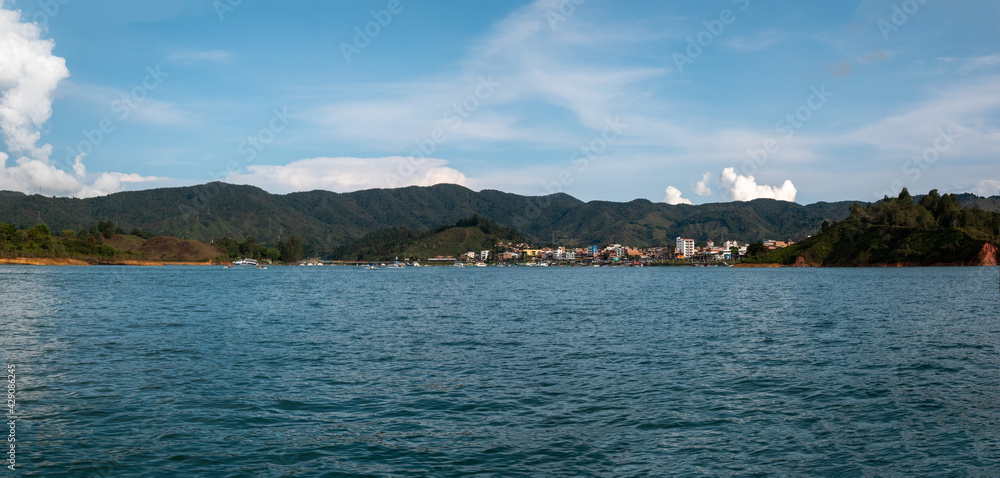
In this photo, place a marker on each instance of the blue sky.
(676, 101)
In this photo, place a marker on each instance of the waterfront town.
(685, 251)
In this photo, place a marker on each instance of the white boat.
(480, 264)
(245, 262)
(458, 264)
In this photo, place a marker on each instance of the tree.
(7, 232)
(39, 233)
(292, 251)
(756, 249)
(249, 248)
(106, 228)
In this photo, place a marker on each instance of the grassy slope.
(169, 249)
(452, 242)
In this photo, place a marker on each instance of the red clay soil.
(988, 256)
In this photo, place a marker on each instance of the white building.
(564, 256)
(484, 255)
(685, 247)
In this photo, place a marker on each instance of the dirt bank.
(988, 256)
(44, 261)
(60, 261)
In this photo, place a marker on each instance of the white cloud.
(745, 188)
(987, 188)
(702, 188)
(192, 57)
(350, 174)
(980, 63)
(29, 76)
(533, 64)
(673, 197)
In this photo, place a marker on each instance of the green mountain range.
(327, 220)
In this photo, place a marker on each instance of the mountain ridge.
(326, 219)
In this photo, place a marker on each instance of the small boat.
(245, 262)
(480, 264)
(458, 264)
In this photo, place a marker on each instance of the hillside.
(471, 234)
(935, 230)
(326, 220)
(166, 248)
(38, 242)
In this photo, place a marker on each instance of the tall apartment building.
(685, 247)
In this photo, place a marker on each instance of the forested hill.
(900, 231)
(325, 219)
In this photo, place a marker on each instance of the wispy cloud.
(758, 42)
(980, 63)
(122, 105)
(188, 58)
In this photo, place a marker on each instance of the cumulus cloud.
(987, 188)
(29, 76)
(745, 188)
(673, 197)
(350, 174)
(702, 188)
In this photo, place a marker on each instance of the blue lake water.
(337, 371)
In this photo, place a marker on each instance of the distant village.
(685, 251)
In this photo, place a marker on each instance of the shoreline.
(66, 261)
